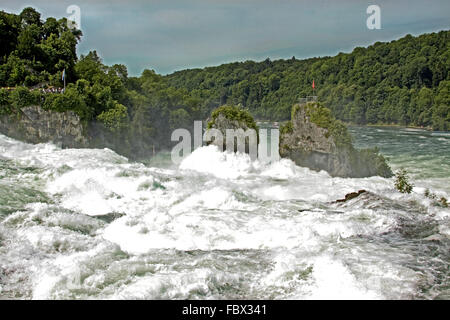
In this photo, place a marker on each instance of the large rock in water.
(233, 117)
(314, 139)
(36, 125)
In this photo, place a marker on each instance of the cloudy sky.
(169, 35)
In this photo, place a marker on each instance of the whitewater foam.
(218, 226)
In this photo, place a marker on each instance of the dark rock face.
(109, 217)
(35, 125)
(312, 146)
(309, 145)
(351, 195)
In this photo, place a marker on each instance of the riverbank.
(399, 126)
(351, 124)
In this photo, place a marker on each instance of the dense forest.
(403, 82)
(133, 115)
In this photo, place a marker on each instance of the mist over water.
(87, 223)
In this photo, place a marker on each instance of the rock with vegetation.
(442, 201)
(232, 117)
(313, 138)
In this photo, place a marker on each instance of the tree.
(90, 67)
(390, 77)
(30, 16)
(402, 183)
(27, 42)
(9, 30)
(116, 118)
(180, 119)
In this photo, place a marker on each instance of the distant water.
(79, 223)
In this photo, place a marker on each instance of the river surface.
(89, 224)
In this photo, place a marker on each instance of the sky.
(170, 35)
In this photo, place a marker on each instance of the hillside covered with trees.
(403, 82)
(133, 115)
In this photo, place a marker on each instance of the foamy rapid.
(87, 223)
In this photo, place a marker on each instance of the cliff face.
(319, 148)
(309, 145)
(35, 125)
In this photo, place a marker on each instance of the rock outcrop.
(232, 117)
(36, 125)
(351, 195)
(314, 139)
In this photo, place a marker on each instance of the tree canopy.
(33, 51)
(402, 82)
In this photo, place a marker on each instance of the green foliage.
(136, 114)
(70, 100)
(34, 52)
(440, 118)
(408, 84)
(179, 119)
(442, 201)
(5, 103)
(233, 113)
(323, 118)
(10, 25)
(14, 71)
(402, 182)
(29, 16)
(115, 119)
(22, 97)
(90, 67)
(286, 128)
(396, 83)
(237, 118)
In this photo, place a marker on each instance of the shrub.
(443, 202)
(430, 195)
(235, 118)
(286, 128)
(115, 119)
(5, 104)
(31, 80)
(401, 182)
(71, 99)
(23, 97)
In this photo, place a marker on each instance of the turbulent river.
(89, 224)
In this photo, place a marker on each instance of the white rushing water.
(87, 223)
